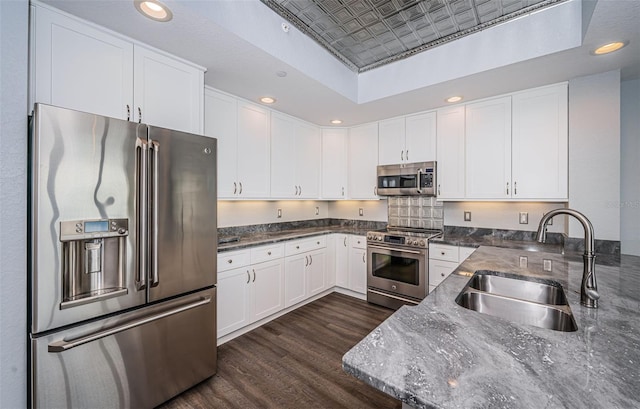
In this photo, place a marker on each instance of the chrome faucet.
(588, 290)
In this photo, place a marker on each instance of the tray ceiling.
(365, 34)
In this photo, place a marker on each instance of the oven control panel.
(398, 240)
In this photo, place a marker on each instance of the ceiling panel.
(365, 34)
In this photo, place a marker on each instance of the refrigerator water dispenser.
(93, 260)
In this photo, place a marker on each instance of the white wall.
(246, 213)
(13, 185)
(630, 167)
(501, 215)
(372, 210)
(594, 153)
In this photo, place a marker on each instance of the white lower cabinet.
(342, 260)
(234, 300)
(304, 269)
(358, 264)
(443, 260)
(268, 297)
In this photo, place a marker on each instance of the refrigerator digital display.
(94, 227)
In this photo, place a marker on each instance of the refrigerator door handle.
(61, 346)
(142, 149)
(155, 278)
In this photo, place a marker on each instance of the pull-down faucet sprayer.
(588, 290)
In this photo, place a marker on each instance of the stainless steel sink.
(521, 299)
(511, 285)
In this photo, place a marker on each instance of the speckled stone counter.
(441, 355)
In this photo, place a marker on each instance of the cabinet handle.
(229, 261)
(442, 253)
(402, 155)
(438, 189)
(297, 247)
(507, 188)
(296, 188)
(240, 191)
(268, 253)
(441, 274)
(363, 260)
(375, 190)
(128, 112)
(139, 115)
(248, 277)
(310, 259)
(235, 187)
(345, 241)
(343, 191)
(254, 275)
(407, 155)
(306, 261)
(515, 188)
(300, 187)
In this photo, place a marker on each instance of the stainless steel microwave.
(407, 179)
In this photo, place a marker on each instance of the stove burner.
(405, 237)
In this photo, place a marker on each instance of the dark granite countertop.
(441, 355)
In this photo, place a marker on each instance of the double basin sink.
(526, 300)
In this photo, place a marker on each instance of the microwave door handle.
(142, 150)
(155, 278)
(418, 181)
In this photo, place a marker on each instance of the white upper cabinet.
(540, 140)
(363, 160)
(81, 66)
(295, 158)
(220, 122)
(242, 130)
(167, 92)
(450, 153)
(407, 139)
(334, 163)
(488, 149)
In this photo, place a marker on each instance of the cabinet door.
(540, 143)
(488, 149)
(295, 283)
(391, 141)
(253, 151)
(167, 92)
(342, 260)
(358, 270)
(220, 121)
(316, 272)
(334, 163)
(80, 67)
(330, 261)
(283, 157)
(420, 137)
(268, 295)
(450, 153)
(363, 160)
(234, 300)
(308, 160)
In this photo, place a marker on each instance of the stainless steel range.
(398, 266)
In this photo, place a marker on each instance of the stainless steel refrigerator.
(122, 261)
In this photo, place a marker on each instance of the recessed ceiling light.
(267, 100)
(454, 99)
(336, 121)
(609, 48)
(153, 9)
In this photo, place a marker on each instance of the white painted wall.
(14, 32)
(630, 167)
(594, 153)
(373, 210)
(501, 215)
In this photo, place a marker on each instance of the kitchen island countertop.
(441, 355)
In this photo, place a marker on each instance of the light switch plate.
(467, 216)
(317, 210)
(361, 211)
(279, 213)
(524, 218)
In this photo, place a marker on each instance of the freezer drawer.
(134, 360)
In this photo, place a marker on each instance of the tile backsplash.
(415, 211)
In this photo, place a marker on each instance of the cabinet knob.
(442, 253)
(297, 247)
(442, 274)
(229, 261)
(268, 253)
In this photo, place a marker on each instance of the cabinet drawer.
(266, 253)
(439, 270)
(358, 242)
(302, 246)
(233, 259)
(443, 252)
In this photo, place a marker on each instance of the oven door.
(399, 271)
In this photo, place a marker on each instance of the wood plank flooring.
(294, 361)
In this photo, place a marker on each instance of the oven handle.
(376, 247)
(391, 296)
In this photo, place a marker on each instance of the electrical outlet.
(524, 262)
(317, 210)
(546, 264)
(361, 211)
(524, 218)
(279, 213)
(467, 216)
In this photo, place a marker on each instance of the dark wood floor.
(294, 362)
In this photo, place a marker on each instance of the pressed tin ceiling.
(365, 34)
